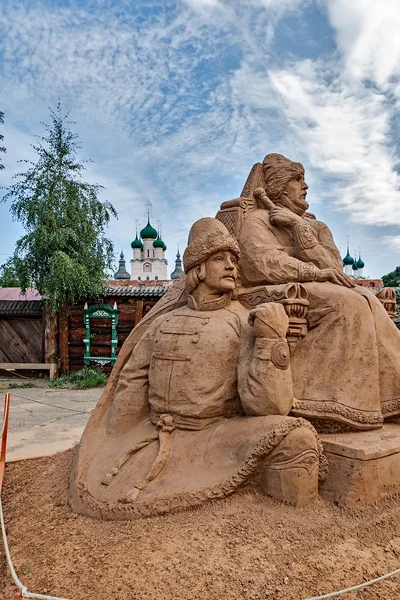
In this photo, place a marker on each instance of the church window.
(156, 277)
(147, 278)
(148, 253)
(147, 268)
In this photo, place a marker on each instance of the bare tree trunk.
(50, 336)
(63, 338)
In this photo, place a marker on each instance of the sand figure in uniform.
(346, 370)
(200, 406)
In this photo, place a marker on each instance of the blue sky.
(175, 101)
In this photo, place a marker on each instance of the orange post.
(6, 413)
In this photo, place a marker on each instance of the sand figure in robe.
(346, 370)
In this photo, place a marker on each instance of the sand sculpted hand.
(334, 276)
(283, 217)
(269, 320)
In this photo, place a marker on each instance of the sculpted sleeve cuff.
(307, 272)
(276, 350)
(304, 236)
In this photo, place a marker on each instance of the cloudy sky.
(175, 100)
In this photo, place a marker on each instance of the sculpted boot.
(291, 473)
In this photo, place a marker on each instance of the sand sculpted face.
(294, 195)
(220, 273)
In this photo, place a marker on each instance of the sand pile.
(246, 547)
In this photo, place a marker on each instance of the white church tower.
(149, 262)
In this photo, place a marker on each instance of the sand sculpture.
(201, 405)
(197, 404)
(347, 369)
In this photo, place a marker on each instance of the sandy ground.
(39, 429)
(245, 547)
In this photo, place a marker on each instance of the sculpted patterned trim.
(216, 304)
(307, 272)
(390, 407)
(254, 180)
(228, 218)
(304, 236)
(307, 460)
(336, 412)
(293, 292)
(179, 502)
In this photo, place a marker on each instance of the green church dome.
(164, 247)
(360, 263)
(137, 243)
(348, 260)
(158, 243)
(148, 232)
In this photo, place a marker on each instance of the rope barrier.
(18, 583)
(27, 594)
(83, 412)
(360, 586)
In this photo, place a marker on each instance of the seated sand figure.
(200, 405)
(346, 370)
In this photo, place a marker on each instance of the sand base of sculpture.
(363, 467)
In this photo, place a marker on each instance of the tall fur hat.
(207, 236)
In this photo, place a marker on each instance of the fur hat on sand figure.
(207, 236)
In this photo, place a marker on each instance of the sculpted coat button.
(280, 355)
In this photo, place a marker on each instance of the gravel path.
(37, 429)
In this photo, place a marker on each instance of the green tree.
(392, 279)
(8, 274)
(2, 148)
(64, 253)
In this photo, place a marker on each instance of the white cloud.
(367, 33)
(345, 132)
(177, 105)
(393, 241)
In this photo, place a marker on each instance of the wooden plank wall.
(21, 340)
(130, 312)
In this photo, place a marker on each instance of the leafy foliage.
(18, 384)
(2, 148)
(64, 253)
(85, 378)
(8, 274)
(392, 279)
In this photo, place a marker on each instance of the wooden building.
(32, 337)
(132, 299)
(21, 326)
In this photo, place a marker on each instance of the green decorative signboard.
(101, 311)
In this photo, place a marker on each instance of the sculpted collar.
(214, 304)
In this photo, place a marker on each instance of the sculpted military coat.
(180, 434)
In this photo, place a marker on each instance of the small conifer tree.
(64, 253)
